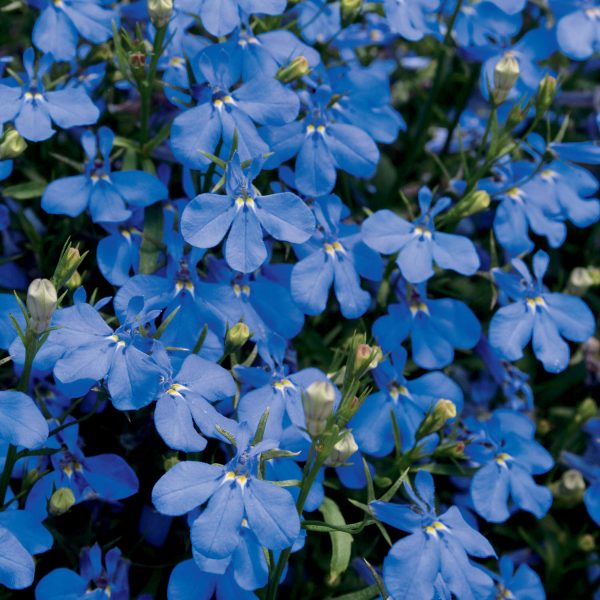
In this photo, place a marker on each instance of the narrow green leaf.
(367, 593)
(341, 543)
(25, 191)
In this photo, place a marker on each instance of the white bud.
(41, 302)
(342, 450)
(318, 401)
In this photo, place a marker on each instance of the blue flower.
(89, 351)
(244, 213)
(521, 584)
(433, 561)
(21, 535)
(408, 401)
(105, 192)
(222, 17)
(319, 20)
(62, 22)
(326, 140)
(545, 316)
(335, 255)
(411, 19)
(234, 493)
(186, 401)
(32, 109)
(509, 456)
(21, 422)
(222, 111)
(436, 327)
(578, 28)
(277, 390)
(102, 477)
(418, 244)
(96, 579)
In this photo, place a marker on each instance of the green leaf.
(153, 232)
(341, 542)
(25, 191)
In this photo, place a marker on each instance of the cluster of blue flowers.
(187, 407)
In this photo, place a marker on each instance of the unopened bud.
(569, 489)
(506, 73)
(236, 337)
(61, 501)
(367, 357)
(350, 9)
(41, 303)
(137, 61)
(12, 145)
(318, 402)
(31, 477)
(474, 202)
(443, 411)
(170, 462)
(69, 261)
(343, 450)
(572, 481)
(586, 542)
(582, 279)
(515, 115)
(297, 69)
(546, 94)
(586, 410)
(160, 12)
(75, 281)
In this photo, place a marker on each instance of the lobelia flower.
(244, 213)
(185, 401)
(104, 477)
(235, 496)
(523, 206)
(578, 28)
(509, 456)
(334, 255)
(277, 390)
(409, 401)
(436, 327)
(265, 53)
(261, 300)
(32, 109)
(89, 351)
(222, 110)
(103, 191)
(522, 583)
(322, 143)
(319, 20)
(118, 253)
(62, 22)
(179, 288)
(411, 19)
(419, 244)
(433, 561)
(21, 536)
(21, 421)
(536, 313)
(97, 579)
(221, 17)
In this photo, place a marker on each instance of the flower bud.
(586, 410)
(69, 261)
(41, 302)
(506, 73)
(297, 68)
(546, 94)
(343, 450)
(61, 501)
(137, 61)
(367, 357)
(170, 462)
(12, 145)
(350, 9)
(582, 279)
(236, 337)
(75, 281)
(586, 542)
(160, 12)
(443, 411)
(318, 401)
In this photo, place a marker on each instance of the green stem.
(31, 348)
(307, 483)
